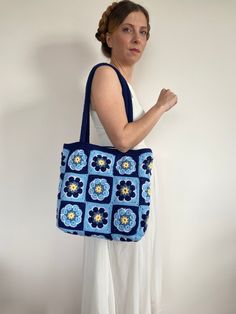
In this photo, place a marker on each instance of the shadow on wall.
(44, 264)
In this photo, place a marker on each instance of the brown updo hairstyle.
(113, 17)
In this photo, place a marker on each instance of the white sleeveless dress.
(124, 277)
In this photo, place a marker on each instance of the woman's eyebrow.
(133, 25)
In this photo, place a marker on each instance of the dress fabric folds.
(124, 277)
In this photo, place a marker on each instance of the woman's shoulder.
(105, 71)
(105, 85)
(105, 75)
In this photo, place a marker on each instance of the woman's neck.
(125, 70)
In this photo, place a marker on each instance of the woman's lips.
(135, 50)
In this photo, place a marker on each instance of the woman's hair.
(113, 17)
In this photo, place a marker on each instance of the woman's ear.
(108, 40)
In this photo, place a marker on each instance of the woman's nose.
(136, 37)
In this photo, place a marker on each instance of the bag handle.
(85, 126)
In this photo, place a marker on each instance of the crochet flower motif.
(125, 190)
(146, 191)
(71, 215)
(148, 164)
(77, 160)
(73, 187)
(144, 221)
(99, 189)
(124, 219)
(126, 165)
(98, 217)
(101, 163)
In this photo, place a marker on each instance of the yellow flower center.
(125, 164)
(149, 191)
(101, 162)
(73, 187)
(98, 217)
(124, 220)
(150, 165)
(125, 190)
(77, 159)
(98, 188)
(71, 215)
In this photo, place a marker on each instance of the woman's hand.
(166, 100)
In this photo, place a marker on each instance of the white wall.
(47, 49)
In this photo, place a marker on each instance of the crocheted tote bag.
(102, 191)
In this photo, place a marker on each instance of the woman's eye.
(129, 30)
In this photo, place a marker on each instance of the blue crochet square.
(126, 166)
(77, 161)
(99, 189)
(145, 165)
(145, 191)
(64, 157)
(74, 187)
(98, 218)
(125, 191)
(100, 163)
(71, 215)
(125, 220)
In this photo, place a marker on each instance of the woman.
(121, 277)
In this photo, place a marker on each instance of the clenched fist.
(166, 100)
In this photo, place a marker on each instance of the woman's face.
(129, 39)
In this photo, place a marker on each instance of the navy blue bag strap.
(85, 126)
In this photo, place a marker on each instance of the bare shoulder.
(108, 102)
(105, 84)
(105, 73)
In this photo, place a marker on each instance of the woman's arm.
(107, 100)
(136, 131)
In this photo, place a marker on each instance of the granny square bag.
(104, 192)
